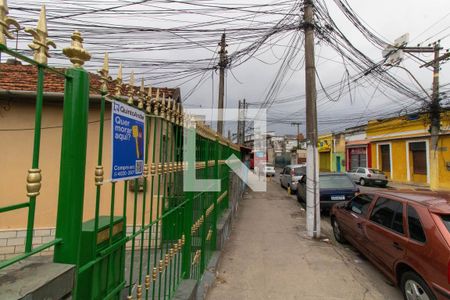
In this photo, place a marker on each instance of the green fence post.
(188, 215)
(73, 158)
(187, 248)
(215, 212)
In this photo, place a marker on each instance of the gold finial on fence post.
(5, 23)
(169, 110)
(76, 53)
(131, 89)
(163, 106)
(119, 82)
(156, 103)
(173, 110)
(141, 95)
(104, 75)
(41, 42)
(148, 100)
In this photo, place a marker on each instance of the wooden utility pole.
(298, 133)
(435, 114)
(433, 105)
(312, 167)
(222, 65)
(435, 108)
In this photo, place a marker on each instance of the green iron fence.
(146, 234)
(40, 43)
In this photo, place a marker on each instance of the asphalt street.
(269, 256)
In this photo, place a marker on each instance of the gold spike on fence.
(119, 82)
(156, 104)
(163, 106)
(104, 75)
(148, 100)
(141, 95)
(130, 88)
(6, 23)
(41, 42)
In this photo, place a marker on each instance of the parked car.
(334, 188)
(267, 169)
(291, 174)
(405, 234)
(365, 176)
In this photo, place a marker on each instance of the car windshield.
(335, 182)
(446, 221)
(300, 171)
(375, 171)
(269, 165)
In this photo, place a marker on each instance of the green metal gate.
(147, 234)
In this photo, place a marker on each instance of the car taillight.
(369, 175)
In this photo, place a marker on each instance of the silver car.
(291, 174)
(365, 176)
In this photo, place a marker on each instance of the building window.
(419, 157)
(385, 158)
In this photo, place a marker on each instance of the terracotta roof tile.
(24, 78)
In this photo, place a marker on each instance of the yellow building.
(331, 149)
(325, 148)
(401, 147)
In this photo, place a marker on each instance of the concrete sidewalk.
(269, 257)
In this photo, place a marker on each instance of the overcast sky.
(425, 21)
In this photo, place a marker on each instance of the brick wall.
(12, 242)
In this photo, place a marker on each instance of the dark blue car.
(334, 188)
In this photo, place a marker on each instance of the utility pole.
(435, 113)
(394, 54)
(222, 65)
(312, 166)
(298, 132)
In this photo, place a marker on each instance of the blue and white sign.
(128, 139)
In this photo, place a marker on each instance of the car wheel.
(281, 184)
(337, 231)
(414, 287)
(362, 182)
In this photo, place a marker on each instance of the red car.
(405, 234)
